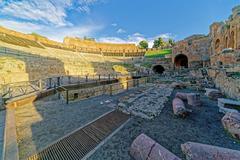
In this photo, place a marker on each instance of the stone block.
(182, 96)
(143, 147)
(213, 94)
(231, 122)
(228, 105)
(197, 151)
(194, 99)
(179, 107)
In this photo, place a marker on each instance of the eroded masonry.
(82, 99)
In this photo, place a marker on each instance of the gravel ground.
(203, 126)
(47, 120)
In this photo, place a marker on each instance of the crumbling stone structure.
(192, 52)
(225, 44)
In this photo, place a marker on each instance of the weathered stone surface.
(179, 107)
(143, 147)
(231, 122)
(197, 151)
(178, 85)
(214, 95)
(194, 99)
(182, 96)
(146, 104)
(228, 105)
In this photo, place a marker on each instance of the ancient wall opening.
(158, 69)
(232, 41)
(181, 61)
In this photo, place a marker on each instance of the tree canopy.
(143, 44)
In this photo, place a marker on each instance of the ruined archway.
(158, 69)
(232, 41)
(181, 60)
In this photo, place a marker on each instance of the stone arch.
(226, 42)
(217, 44)
(232, 40)
(181, 60)
(158, 69)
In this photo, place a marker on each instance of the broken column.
(213, 94)
(196, 151)
(179, 107)
(194, 99)
(231, 122)
(143, 147)
(182, 96)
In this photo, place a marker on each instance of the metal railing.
(12, 90)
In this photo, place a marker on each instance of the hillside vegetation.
(158, 53)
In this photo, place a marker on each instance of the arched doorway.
(158, 69)
(181, 60)
(232, 40)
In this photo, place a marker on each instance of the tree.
(162, 43)
(171, 42)
(143, 44)
(156, 43)
(159, 43)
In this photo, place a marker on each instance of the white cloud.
(114, 24)
(54, 33)
(25, 27)
(45, 11)
(121, 31)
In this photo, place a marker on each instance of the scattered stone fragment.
(197, 151)
(143, 147)
(182, 96)
(228, 105)
(231, 122)
(213, 94)
(178, 85)
(179, 108)
(194, 99)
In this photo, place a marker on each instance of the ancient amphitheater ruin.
(83, 99)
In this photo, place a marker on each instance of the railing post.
(50, 82)
(40, 85)
(111, 90)
(109, 77)
(69, 79)
(86, 78)
(58, 81)
(67, 97)
(99, 77)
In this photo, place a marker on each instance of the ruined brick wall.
(227, 84)
(196, 48)
(226, 35)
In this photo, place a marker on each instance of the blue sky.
(119, 21)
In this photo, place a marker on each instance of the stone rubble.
(148, 103)
(231, 122)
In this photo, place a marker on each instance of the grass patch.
(158, 53)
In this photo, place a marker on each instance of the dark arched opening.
(181, 60)
(158, 69)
